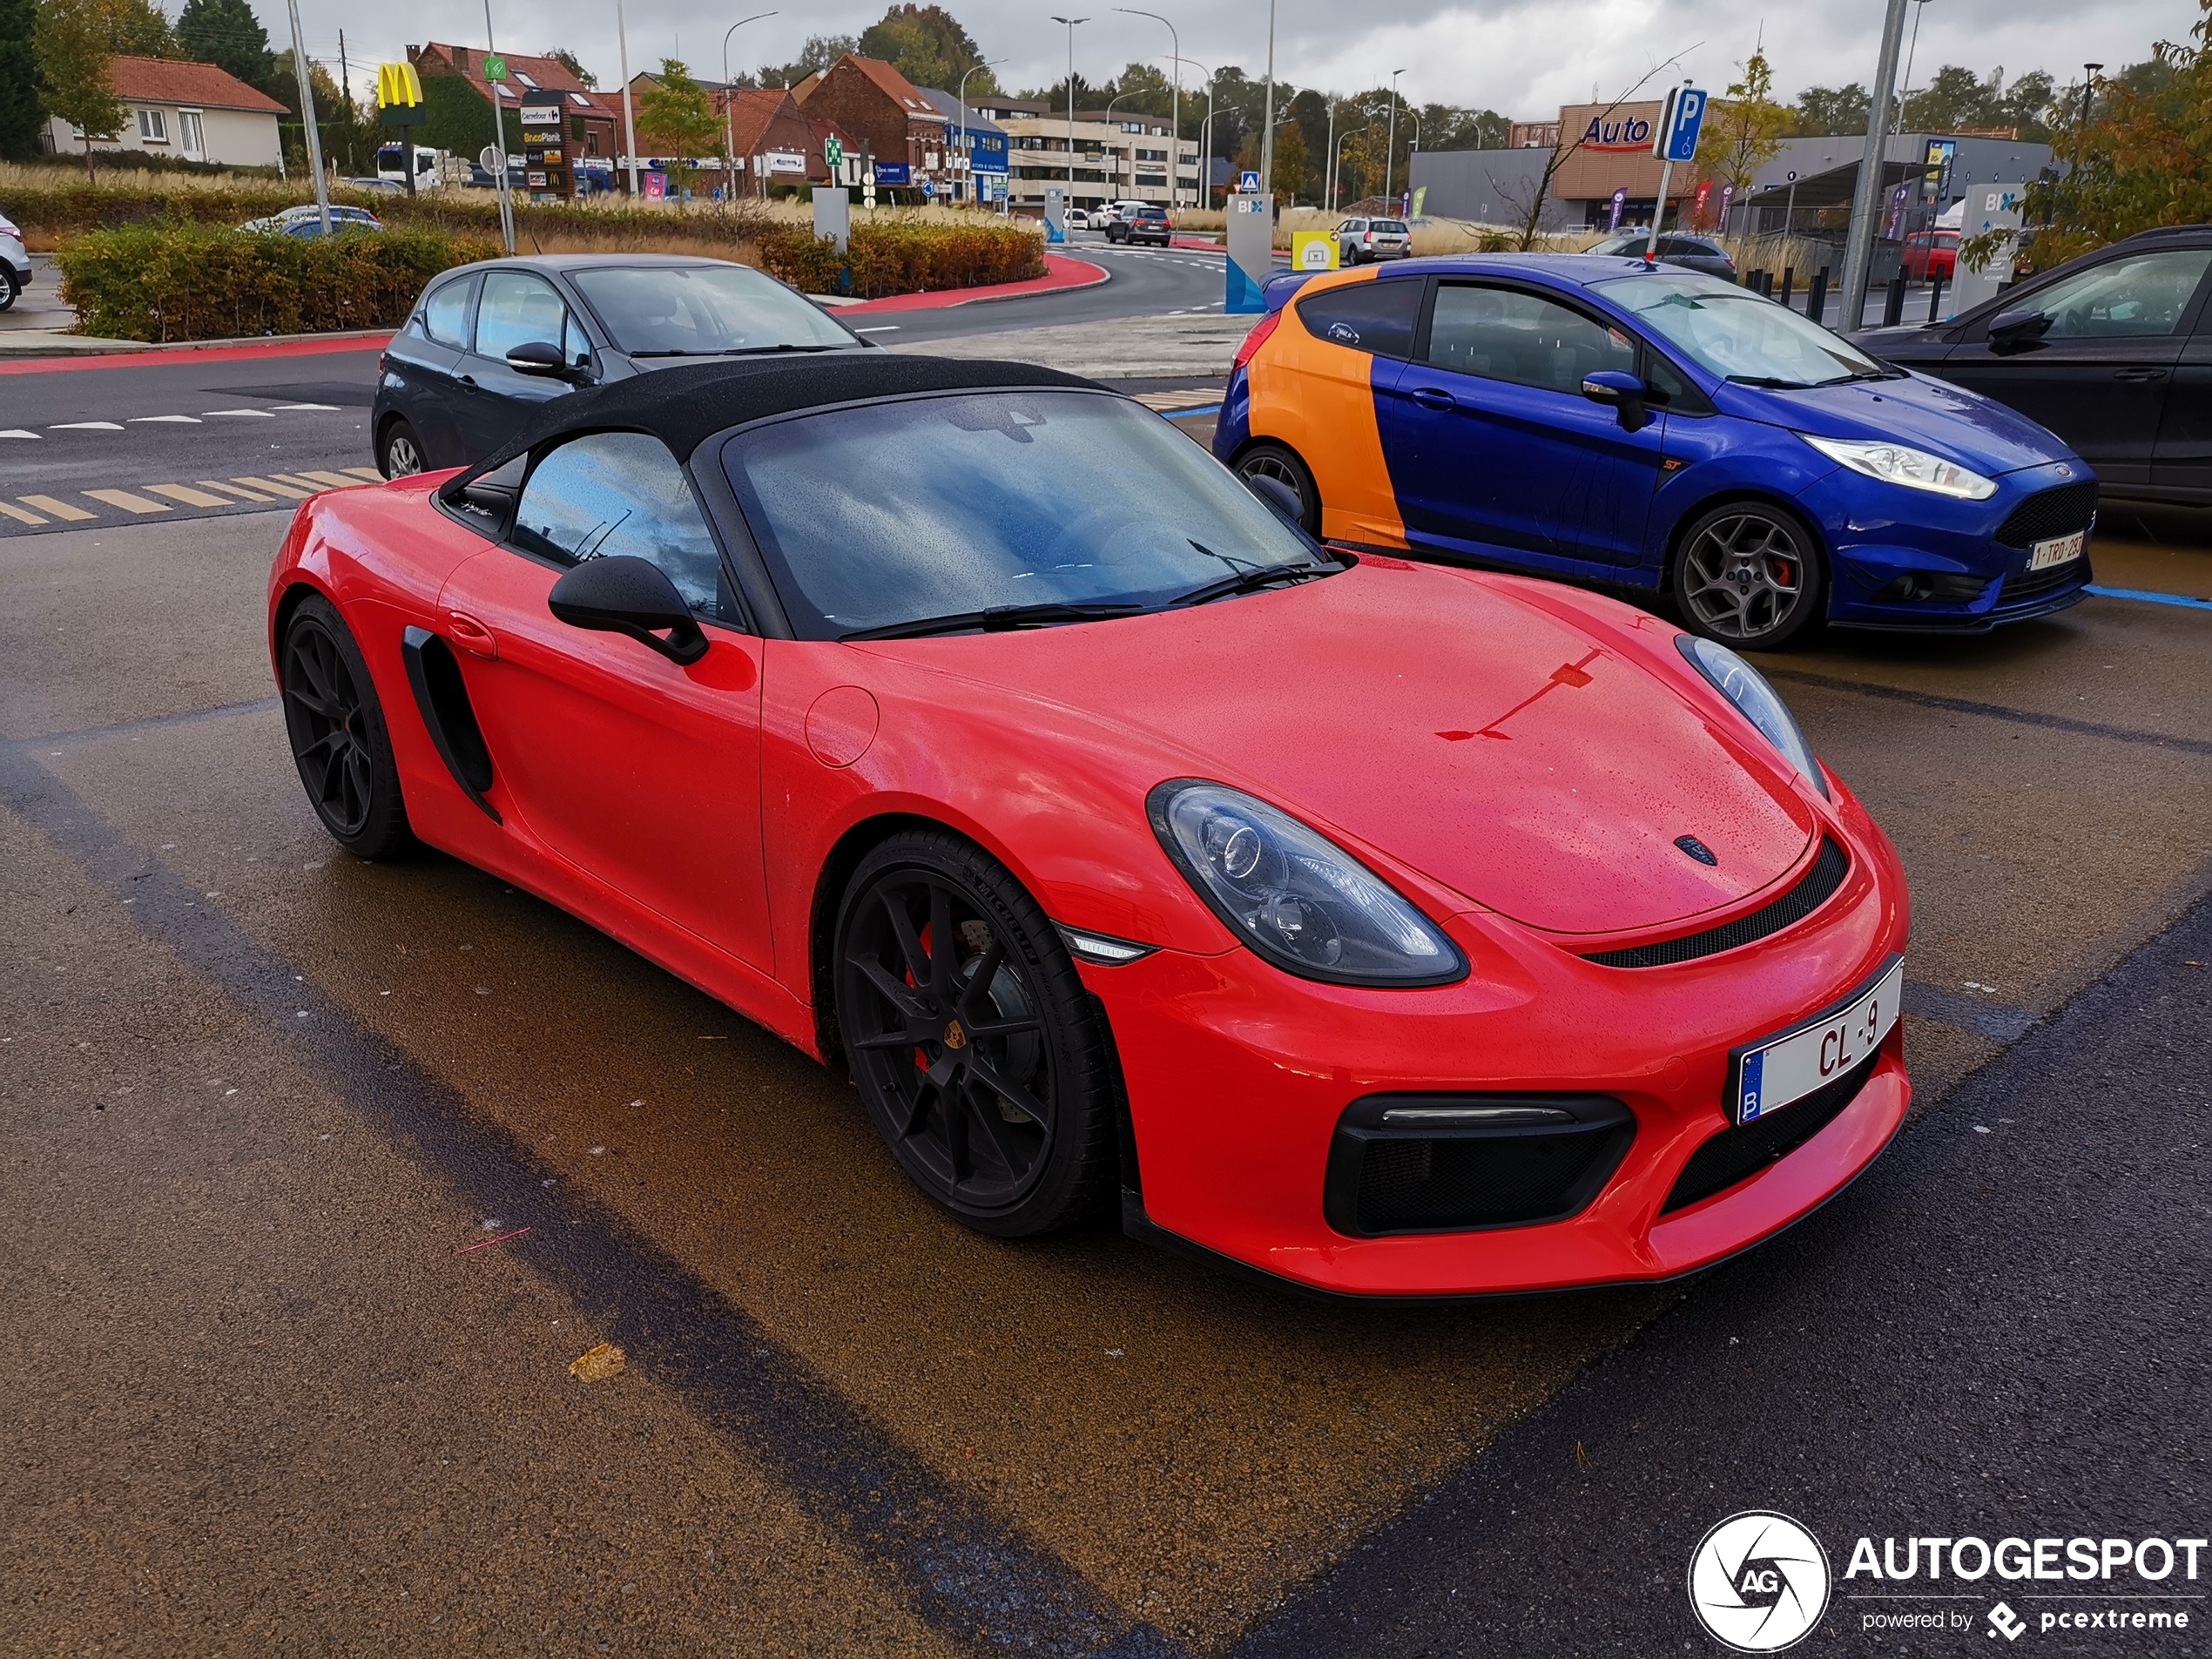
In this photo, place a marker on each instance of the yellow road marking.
(299, 482)
(335, 480)
(126, 501)
(284, 491)
(233, 490)
(58, 509)
(367, 475)
(19, 515)
(187, 494)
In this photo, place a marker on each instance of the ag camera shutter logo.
(1758, 1582)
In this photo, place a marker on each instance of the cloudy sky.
(1524, 58)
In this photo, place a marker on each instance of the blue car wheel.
(1749, 576)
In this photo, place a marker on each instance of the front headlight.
(1299, 900)
(1744, 686)
(1895, 463)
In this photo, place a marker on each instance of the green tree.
(817, 55)
(139, 29)
(1290, 160)
(1823, 110)
(928, 45)
(228, 34)
(571, 63)
(72, 53)
(1446, 126)
(21, 113)
(1745, 129)
(676, 118)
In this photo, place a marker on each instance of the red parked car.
(1387, 928)
(1931, 254)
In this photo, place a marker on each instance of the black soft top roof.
(681, 406)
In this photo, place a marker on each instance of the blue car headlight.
(1296, 897)
(1898, 463)
(1744, 686)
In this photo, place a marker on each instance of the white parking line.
(17, 432)
(84, 425)
(326, 406)
(150, 420)
(253, 414)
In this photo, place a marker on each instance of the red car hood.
(1449, 722)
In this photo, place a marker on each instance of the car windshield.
(705, 311)
(1734, 332)
(941, 506)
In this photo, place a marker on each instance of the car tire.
(1011, 1130)
(10, 287)
(399, 451)
(1281, 463)
(1750, 575)
(339, 742)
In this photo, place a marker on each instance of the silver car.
(15, 264)
(1359, 240)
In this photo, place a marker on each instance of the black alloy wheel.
(339, 741)
(972, 1040)
(1749, 576)
(400, 453)
(8, 288)
(1274, 460)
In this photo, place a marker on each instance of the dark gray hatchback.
(487, 344)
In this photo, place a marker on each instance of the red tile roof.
(203, 86)
(550, 74)
(893, 86)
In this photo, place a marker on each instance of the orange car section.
(1320, 398)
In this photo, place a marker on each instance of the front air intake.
(1433, 1163)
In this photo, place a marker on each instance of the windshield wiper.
(733, 351)
(1771, 383)
(997, 620)
(1250, 581)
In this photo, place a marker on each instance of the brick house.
(459, 98)
(194, 111)
(888, 119)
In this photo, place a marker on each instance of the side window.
(445, 315)
(1505, 334)
(610, 493)
(518, 308)
(2123, 299)
(1680, 395)
(1375, 316)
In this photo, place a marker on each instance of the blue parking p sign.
(1677, 140)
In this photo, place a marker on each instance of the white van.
(430, 166)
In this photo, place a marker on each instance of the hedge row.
(177, 282)
(895, 258)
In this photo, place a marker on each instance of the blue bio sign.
(1678, 126)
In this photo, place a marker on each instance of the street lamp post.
(1175, 146)
(1205, 149)
(1390, 144)
(2089, 95)
(1110, 102)
(1071, 23)
(1911, 52)
(1866, 198)
(1267, 123)
(730, 110)
(1336, 162)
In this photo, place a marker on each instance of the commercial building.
(457, 102)
(1607, 175)
(976, 147)
(1118, 156)
(194, 112)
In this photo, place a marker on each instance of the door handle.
(472, 636)
(1433, 397)
(2139, 374)
(468, 379)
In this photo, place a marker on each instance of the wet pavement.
(320, 1174)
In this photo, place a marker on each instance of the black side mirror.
(623, 595)
(1280, 499)
(544, 360)
(1624, 391)
(2018, 330)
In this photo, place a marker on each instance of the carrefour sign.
(1628, 132)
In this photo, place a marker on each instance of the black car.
(1141, 224)
(2111, 351)
(489, 343)
(1691, 253)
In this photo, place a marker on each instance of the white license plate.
(1790, 1067)
(2059, 550)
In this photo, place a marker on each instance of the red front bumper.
(1237, 1074)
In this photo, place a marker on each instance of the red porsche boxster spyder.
(1389, 929)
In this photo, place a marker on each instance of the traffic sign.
(833, 151)
(495, 67)
(1679, 122)
(1248, 182)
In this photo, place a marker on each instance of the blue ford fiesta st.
(1602, 419)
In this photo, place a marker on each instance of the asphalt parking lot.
(322, 1174)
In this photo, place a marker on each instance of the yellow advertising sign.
(397, 86)
(1314, 251)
